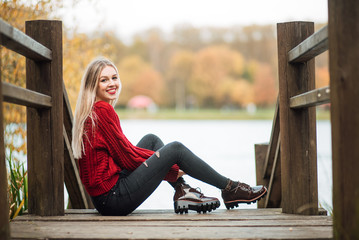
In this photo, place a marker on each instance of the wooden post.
(344, 87)
(4, 205)
(45, 126)
(297, 127)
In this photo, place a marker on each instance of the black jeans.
(133, 188)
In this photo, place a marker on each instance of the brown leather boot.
(237, 192)
(187, 198)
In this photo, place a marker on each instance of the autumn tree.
(79, 50)
(242, 93)
(139, 78)
(212, 66)
(265, 87)
(13, 65)
(185, 36)
(321, 77)
(180, 71)
(255, 42)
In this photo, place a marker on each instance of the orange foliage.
(212, 66)
(13, 65)
(242, 93)
(321, 77)
(139, 78)
(179, 73)
(265, 89)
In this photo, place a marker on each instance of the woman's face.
(108, 85)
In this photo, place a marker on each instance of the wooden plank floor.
(165, 224)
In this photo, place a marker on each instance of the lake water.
(228, 146)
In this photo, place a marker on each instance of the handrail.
(21, 43)
(269, 159)
(25, 97)
(77, 193)
(310, 47)
(268, 165)
(285, 158)
(55, 110)
(44, 150)
(43, 99)
(311, 98)
(272, 199)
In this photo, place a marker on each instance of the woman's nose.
(111, 82)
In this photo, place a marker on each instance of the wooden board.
(310, 47)
(274, 195)
(78, 197)
(260, 156)
(165, 224)
(311, 98)
(12, 38)
(25, 97)
(268, 164)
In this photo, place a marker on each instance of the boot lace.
(197, 190)
(242, 186)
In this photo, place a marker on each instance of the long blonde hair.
(86, 100)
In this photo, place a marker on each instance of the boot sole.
(234, 203)
(183, 206)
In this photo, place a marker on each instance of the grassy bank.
(207, 114)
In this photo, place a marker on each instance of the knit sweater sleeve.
(123, 152)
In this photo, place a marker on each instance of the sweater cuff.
(172, 174)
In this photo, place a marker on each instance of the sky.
(128, 17)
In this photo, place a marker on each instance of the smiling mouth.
(111, 91)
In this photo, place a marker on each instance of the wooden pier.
(287, 165)
(165, 224)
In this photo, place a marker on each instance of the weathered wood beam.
(260, 156)
(344, 87)
(268, 163)
(310, 47)
(68, 117)
(72, 179)
(19, 42)
(79, 198)
(45, 126)
(297, 126)
(274, 195)
(311, 98)
(25, 97)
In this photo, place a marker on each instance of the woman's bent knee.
(176, 146)
(151, 136)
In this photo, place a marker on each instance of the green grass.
(17, 190)
(207, 114)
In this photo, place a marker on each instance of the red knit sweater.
(108, 151)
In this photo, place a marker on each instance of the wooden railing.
(288, 165)
(49, 122)
(294, 161)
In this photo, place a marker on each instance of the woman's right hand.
(180, 173)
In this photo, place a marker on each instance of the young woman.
(120, 176)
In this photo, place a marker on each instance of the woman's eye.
(114, 78)
(103, 80)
